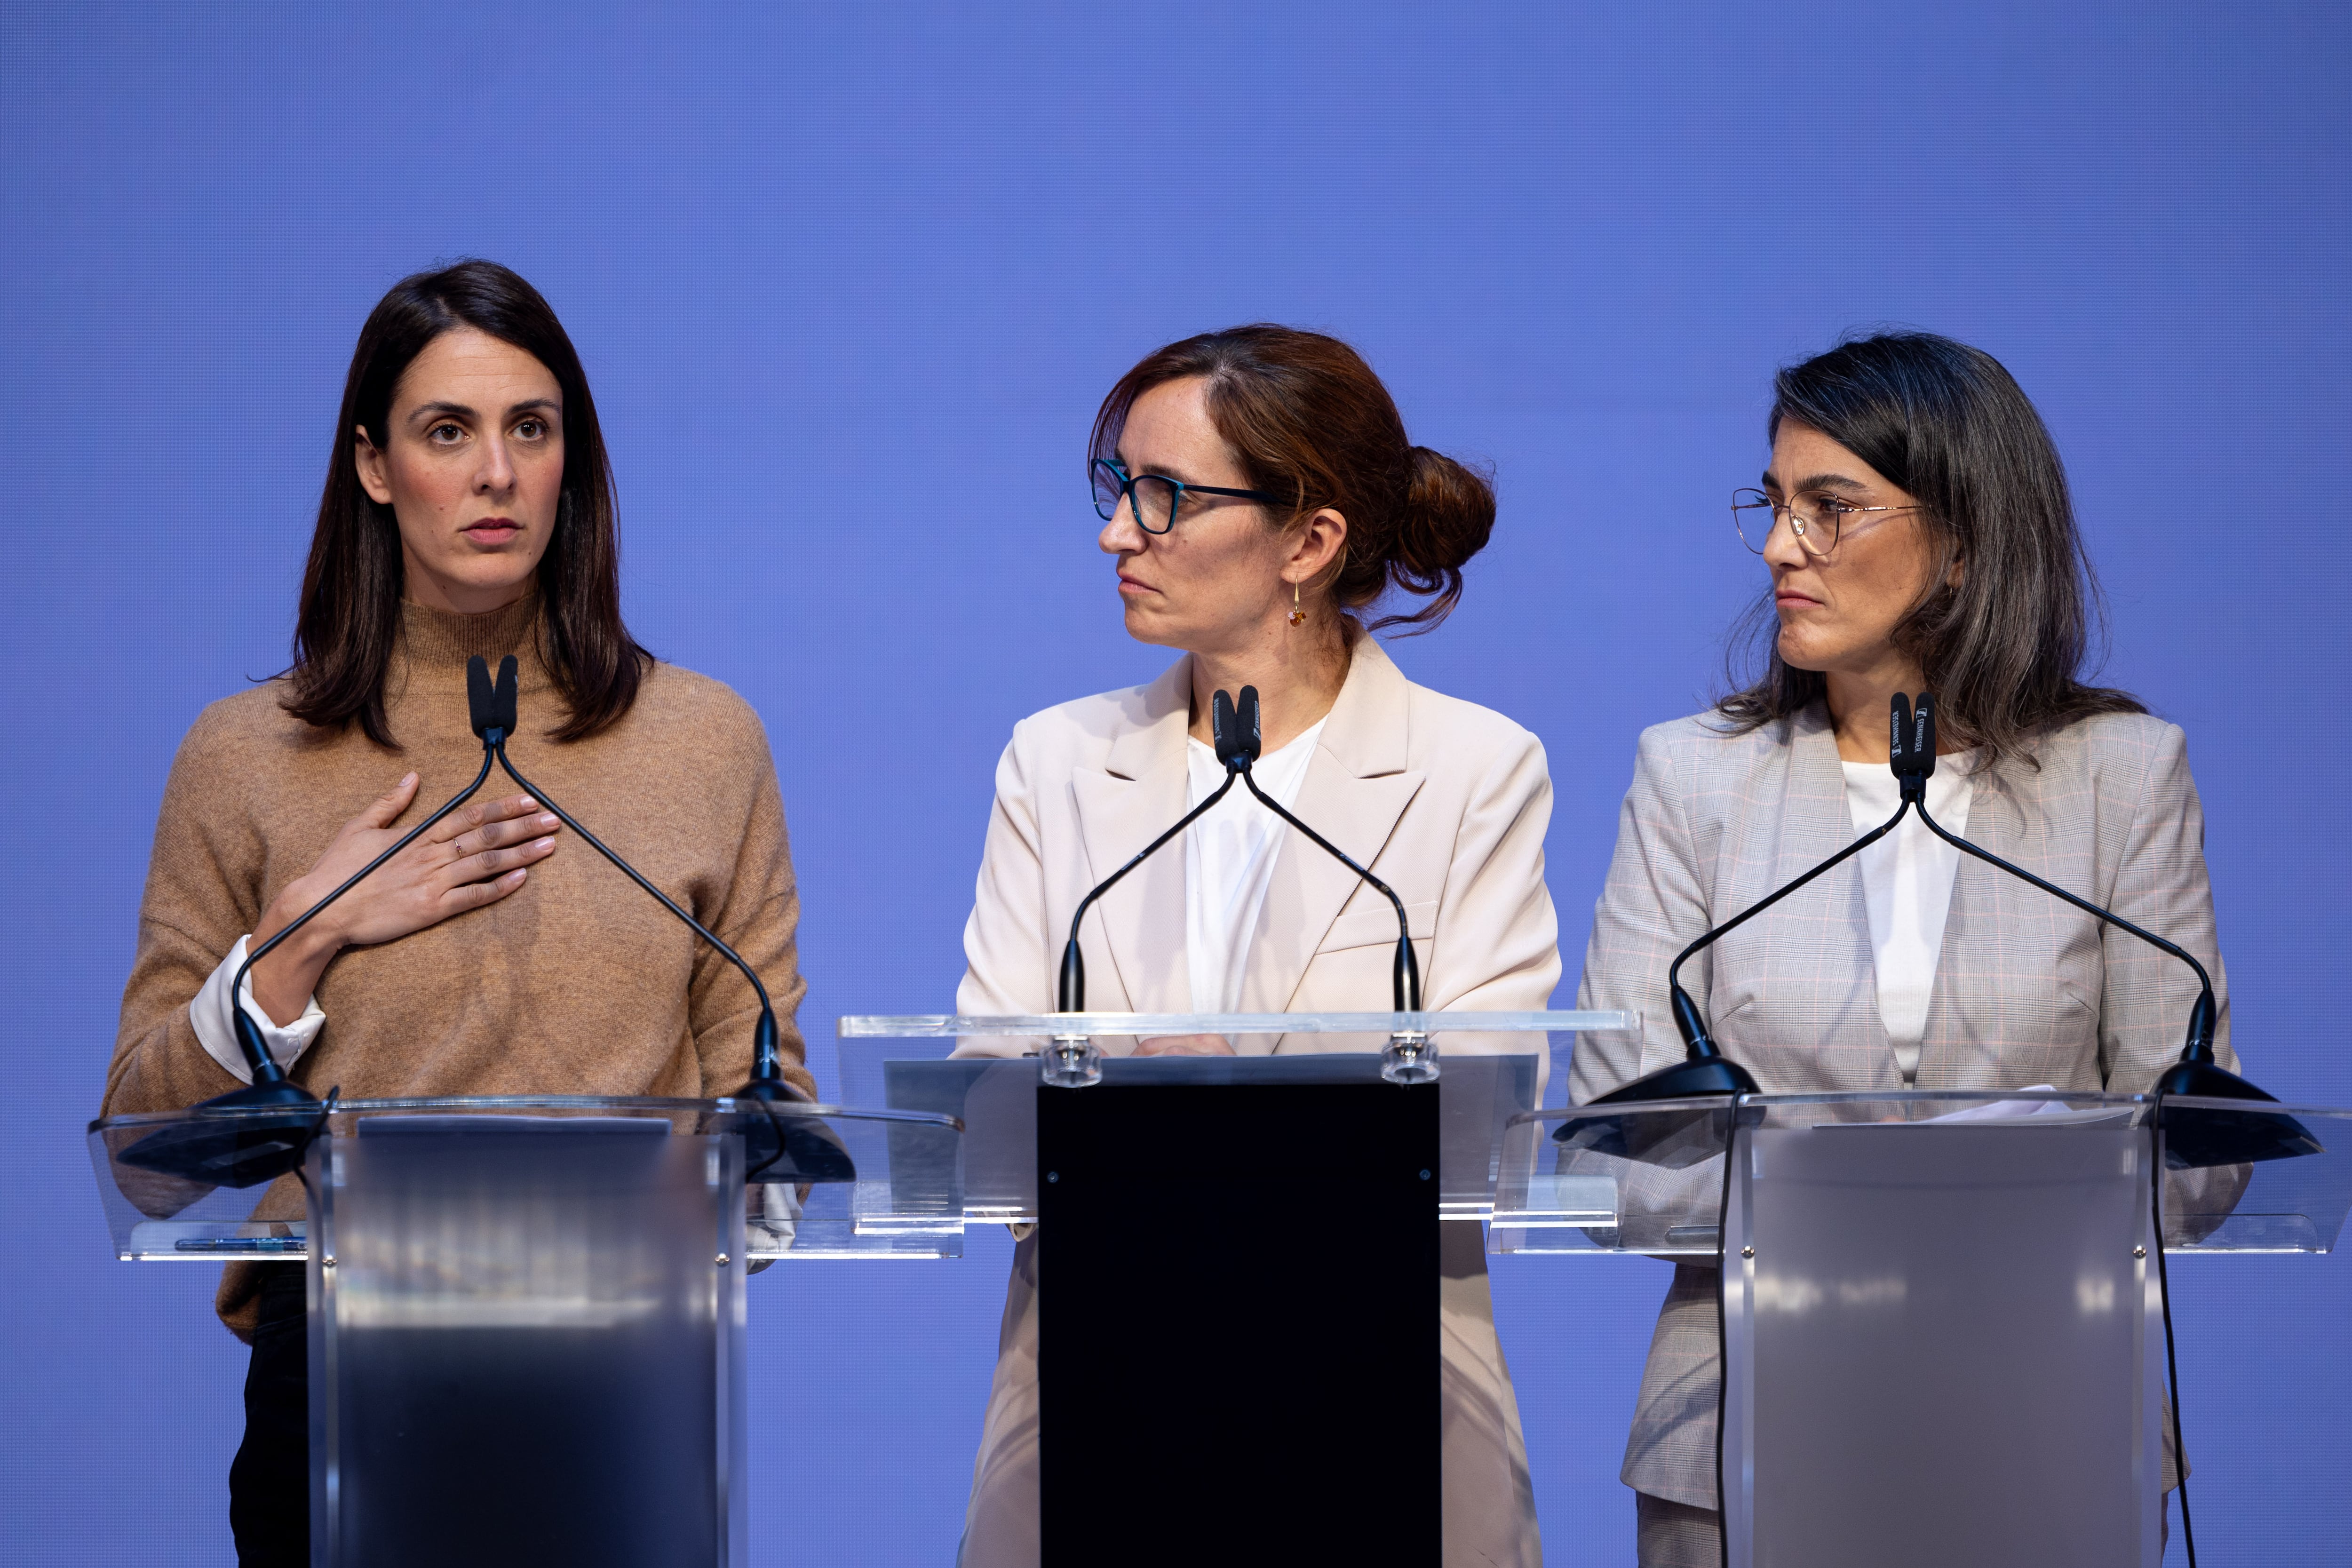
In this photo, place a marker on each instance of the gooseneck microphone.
(2197, 1050)
(1405, 973)
(813, 1157)
(2210, 1139)
(271, 1120)
(767, 1061)
(1238, 741)
(1704, 1069)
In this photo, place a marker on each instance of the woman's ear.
(1318, 543)
(370, 464)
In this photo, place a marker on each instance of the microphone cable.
(2164, 1296)
(2202, 1019)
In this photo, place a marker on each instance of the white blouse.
(1229, 859)
(1906, 881)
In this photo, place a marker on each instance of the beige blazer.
(1445, 802)
(2027, 990)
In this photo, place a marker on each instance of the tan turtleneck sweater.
(578, 984)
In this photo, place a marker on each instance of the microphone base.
(2195, 1139)
(1691, 1080)
(1672, 1142)
(788, 1149)
(240, 1139)
(772, 1092)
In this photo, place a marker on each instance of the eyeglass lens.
(1155, 498)
(1753, 514)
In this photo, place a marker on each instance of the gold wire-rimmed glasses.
(1814, 519)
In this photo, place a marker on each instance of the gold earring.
(1298, 616)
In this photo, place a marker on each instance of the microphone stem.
(263, 1068)
(1684, 1008)
(1406, 979)
(765, 1063)
(1073, 998)
(2201, 1020)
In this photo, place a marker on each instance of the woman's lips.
(492, 531)
(1127, 585)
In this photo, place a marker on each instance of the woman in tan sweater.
(467, 509)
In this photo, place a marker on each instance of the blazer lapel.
(1356, 788)
(1136, 796)
(1836, 964)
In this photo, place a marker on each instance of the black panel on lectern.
(1237, 1331)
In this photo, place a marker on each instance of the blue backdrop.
(849, 283)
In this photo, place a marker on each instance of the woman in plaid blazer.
(1917, 525)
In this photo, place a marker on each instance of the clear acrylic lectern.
(1942, 1330)
(527, 1314)
(1487, 1069)
(1248, 1257)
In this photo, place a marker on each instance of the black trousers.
(269, 1480)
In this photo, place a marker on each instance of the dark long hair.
(348, 623)
(2004, 648)
(1307, 418)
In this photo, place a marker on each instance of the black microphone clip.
(1239, 740)
(490, 707)
(1911, 746)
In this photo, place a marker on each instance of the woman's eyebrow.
(1165, 472)
(1831, 482)
(443, 410)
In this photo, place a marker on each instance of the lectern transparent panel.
(847, 1184)
(2291, 1197)
(513, 1305)
(526, 1314)
(1647, 1180)
(1906, 1302)
(1489, 1068)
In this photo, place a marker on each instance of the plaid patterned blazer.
(2028, 990)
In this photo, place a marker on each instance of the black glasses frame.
(1109, 509)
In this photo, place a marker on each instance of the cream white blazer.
(1444, 801)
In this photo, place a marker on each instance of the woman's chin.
(1146, 628)
(483, 582)
(1796, 653)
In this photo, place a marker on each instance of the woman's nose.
(497, 467)
(1120, 536)
(1780, 546)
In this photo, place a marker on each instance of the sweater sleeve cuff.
(217, 1028)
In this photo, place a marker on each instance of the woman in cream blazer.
(1919, 535)
(1444, 801)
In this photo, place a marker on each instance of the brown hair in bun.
(1307, 418)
